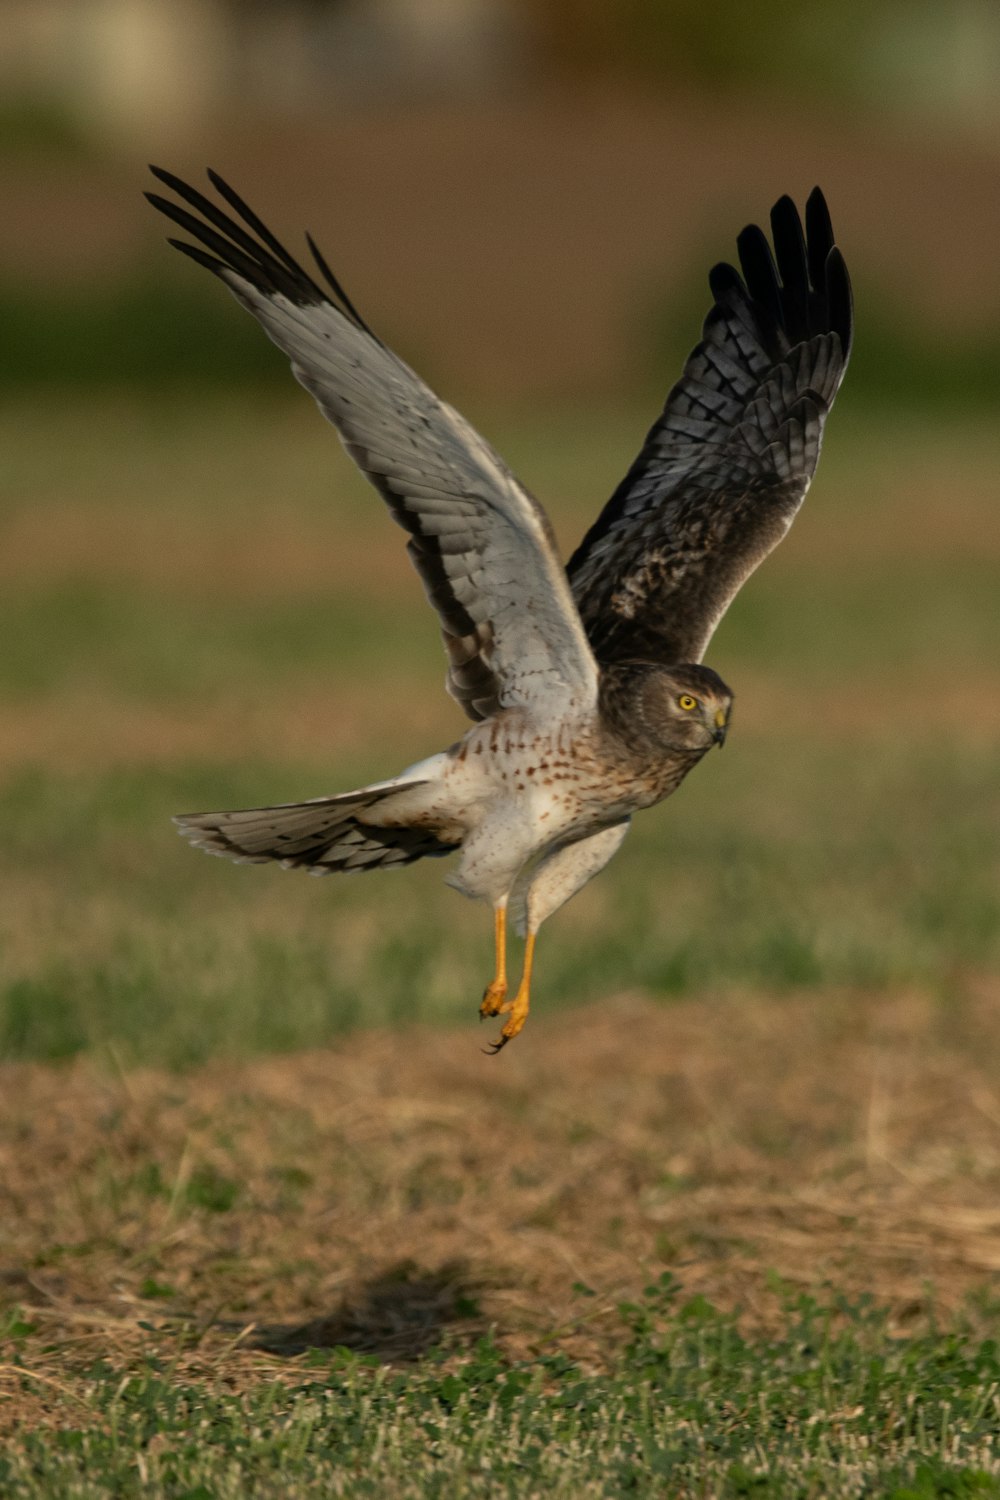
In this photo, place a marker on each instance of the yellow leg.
(496, 991)
(519, 1006)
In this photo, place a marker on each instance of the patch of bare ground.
(402, 1190)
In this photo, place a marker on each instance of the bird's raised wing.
(482, 545)
(727, 464)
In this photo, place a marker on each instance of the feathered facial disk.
(689, 706)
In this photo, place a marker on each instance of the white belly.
(507, 793)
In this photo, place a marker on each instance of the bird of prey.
(585, 683)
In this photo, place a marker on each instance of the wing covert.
(481, 544)
(727, 464)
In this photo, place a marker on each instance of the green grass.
(164, 650)
(830, 1405)
(844, 838)
(752, 877)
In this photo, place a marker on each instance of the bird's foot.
(518, 1014)
(494, 996)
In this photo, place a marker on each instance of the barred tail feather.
(321, 835)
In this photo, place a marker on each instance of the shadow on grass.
(399, 1315)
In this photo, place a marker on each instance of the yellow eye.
(686, 701)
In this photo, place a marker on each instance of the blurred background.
(202, 605)
(527, 190)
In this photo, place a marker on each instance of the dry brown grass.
(403, 1188)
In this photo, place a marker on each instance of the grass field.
(273, 1224)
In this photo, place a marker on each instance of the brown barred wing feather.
(727, 464)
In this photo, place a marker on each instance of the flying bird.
(585, 683)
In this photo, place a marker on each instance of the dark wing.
(727, 465)
(483, 547)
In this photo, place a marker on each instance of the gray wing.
(727, 464)
(482, 545)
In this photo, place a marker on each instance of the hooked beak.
(721, 727)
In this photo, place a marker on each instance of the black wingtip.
(828, 269)
(724, 279)
(819, 235)
(336, 287)
(840, 298)
(797, 281)
(785, 220)
(793, 264)
(195, 253)
(170, 180)
(760, 272)
(241, 243)
(818, 214)
(259, 228)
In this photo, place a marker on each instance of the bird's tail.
(322, 835)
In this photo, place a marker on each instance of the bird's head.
(691, 704)
(677, 708)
